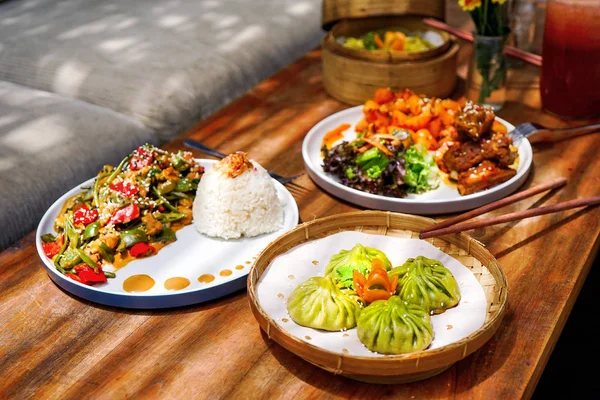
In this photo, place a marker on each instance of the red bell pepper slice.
(377, 286)
(124, 215)
(83, 215)
(127, 189)
(142, 250)
(74, 277)
(51, 249)
(141, 158)
(87, 275)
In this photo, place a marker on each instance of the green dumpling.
(394, 327)
(318, 303)
(342, 265)
(427, 282)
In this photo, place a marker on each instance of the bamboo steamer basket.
(398, 368)
(336, 10)
(352, 76)
(354, 81)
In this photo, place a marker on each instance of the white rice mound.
(247, 205)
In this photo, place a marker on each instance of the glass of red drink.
(570, 76)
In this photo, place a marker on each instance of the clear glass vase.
(486, 80)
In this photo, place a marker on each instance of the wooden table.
(53, 345)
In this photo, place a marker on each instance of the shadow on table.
(566, 375)
(461, 377)
(215, 303)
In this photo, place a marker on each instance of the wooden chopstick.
(534, 212)
(497, 204)
(531, 58)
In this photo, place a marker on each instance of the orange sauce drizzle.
(138, 283)
(334, 135)
(206, 278)
(177, 283)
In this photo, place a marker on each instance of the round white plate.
(191, 256)
(302, 262)
(444, 199)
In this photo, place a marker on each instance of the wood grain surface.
(53, 345)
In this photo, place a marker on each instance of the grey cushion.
(166, 64)
(48, 145)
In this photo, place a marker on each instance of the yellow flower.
(470, 5)
(499, 1)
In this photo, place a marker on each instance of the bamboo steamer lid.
(336, 10)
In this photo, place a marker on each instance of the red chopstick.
(534, 212)
(558, 182)
(510, 50)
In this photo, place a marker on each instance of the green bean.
(183, 185)
(71, 233)
(170, 217)
(166, 187)
(109, 274)
(106, 252)
(117, 170)
(165, 201)
(100, 176)
(86, 259)
(179, 163)
(179, 195)
(60, 253)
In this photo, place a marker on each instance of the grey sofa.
(84, 82)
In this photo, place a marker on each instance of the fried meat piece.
(483, 176)
(462, 156)
(498, 148)
(474, 121)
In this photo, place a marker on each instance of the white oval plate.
(192, 255)
(302, 262)
(444, 199)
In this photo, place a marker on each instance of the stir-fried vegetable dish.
(131, 211)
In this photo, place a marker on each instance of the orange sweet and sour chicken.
(430, 121)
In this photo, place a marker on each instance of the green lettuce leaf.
(421, 170)
(373, 162)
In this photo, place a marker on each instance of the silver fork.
(194, 144)
(537, 133)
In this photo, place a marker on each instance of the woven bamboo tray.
(399, 368)
(337, 10)
(358, 27)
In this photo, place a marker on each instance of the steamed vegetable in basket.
(130, 211)
(391, 309)
(319, 303)
(394, 327)
(390, 40)
(426, 282)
